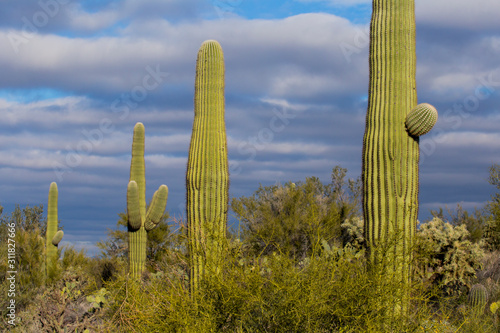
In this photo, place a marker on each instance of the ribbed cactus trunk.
(53, 236)
(140, 221)
(137, 237)
(390, 154)
(478, 297)
(207, 177)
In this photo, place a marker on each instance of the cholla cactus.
(352, 232)
(446, 251)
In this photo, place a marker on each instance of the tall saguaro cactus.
(390, 144)
(207, 177)
(141, 221)
(53, 236)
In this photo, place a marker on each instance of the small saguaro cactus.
(478, 296)
(53, 236)
(141, 221)
(207, 176)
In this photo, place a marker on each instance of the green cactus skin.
(390, 154)
(207, 176)
(53, 237)
(421, 119)
(478, 296)
(140, 221)
(57, 238)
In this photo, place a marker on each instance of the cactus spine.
(207, 176)
(53, 236)
(478, 297)
(390, 153)
(141, 221)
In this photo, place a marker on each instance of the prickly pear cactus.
(207, 176)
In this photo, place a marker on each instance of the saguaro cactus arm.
(156, 208)
(133, 206)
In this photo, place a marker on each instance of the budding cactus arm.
(133, 206)
(421, 119)
(57, 237)
(156, 208)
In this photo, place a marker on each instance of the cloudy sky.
(76, 77)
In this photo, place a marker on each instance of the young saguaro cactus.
(53, 236)
(390, 153)
(207, 176)
(478, 296)
(141, 221)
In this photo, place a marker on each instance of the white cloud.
(47, 113)
(166, 162)
(114, 64)
(463, 14)
(456, 81)
(470, 139)
(84, 21)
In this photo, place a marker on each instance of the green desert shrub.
(293, 218)
(329, 292)
(28, 224)
(492, 233)
(74, 258)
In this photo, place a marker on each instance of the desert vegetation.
(296, 262)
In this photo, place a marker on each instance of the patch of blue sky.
(94, 6)
(114, 30)
(26, 96)
(262, 9)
